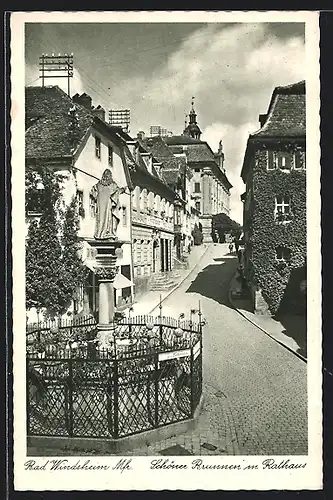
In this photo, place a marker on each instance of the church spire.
(192, 129)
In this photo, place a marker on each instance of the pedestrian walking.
(236, 245)
(231, 247)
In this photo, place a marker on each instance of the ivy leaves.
(53, 267)
(267, 235)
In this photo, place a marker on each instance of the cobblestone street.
(255, 390)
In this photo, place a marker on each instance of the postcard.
(166, 250)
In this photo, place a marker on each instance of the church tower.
(192, 129)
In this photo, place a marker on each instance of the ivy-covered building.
(274, 171)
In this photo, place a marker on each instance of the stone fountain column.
(106, 271)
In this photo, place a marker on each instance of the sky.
(154, 69)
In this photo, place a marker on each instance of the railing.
(150, 377)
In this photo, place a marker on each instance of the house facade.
(152, 216)
(72, 137)
(274, 204)
(177, 175)
(209, 186)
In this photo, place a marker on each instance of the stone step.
(157, 288)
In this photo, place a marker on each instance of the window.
(92, 206)
(197, 205)
(283, 254)
(197, 187)
(126, 271)
(162, 207)
(110, 155)
(135, 251)
(282, 209)
(124, 216)
(282, 160)
(279, 159)
(144, 200)
(299, 164)
(35, 198)
(80, 204)
(157, 203)
(138, 252)
(145, 247)
(98, 147)
(150, 201)
(126, 293)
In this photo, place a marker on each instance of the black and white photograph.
(166, 222)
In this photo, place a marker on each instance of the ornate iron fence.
(151, 377)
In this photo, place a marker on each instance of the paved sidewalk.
(148, 303)
(289, 330)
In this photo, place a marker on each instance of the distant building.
(176, 173)
(210, 187)
(158, 130)
(274, 224)
(152, 216)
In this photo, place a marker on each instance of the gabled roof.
(49, 132)
(172, 167)
(160, 151)
(181, 139)
(49, 126)
(286, 116)
(286, 119)
(197, 151)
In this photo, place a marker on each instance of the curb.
(180, 282)
(261, 328)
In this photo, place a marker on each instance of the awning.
(121, 281)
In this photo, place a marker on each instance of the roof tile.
(49, 130)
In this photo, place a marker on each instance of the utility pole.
(60, 66)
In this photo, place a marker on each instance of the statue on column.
(106, 192)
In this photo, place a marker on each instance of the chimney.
(262, 120)
(100, 112)
(140, 135)
(83, 99)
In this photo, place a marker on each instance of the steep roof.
(180, 139)
(286, 116)
(172, 167)
(286, 119)
(195, 149)
(49, 126)
(160, 151)
(48, 123)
